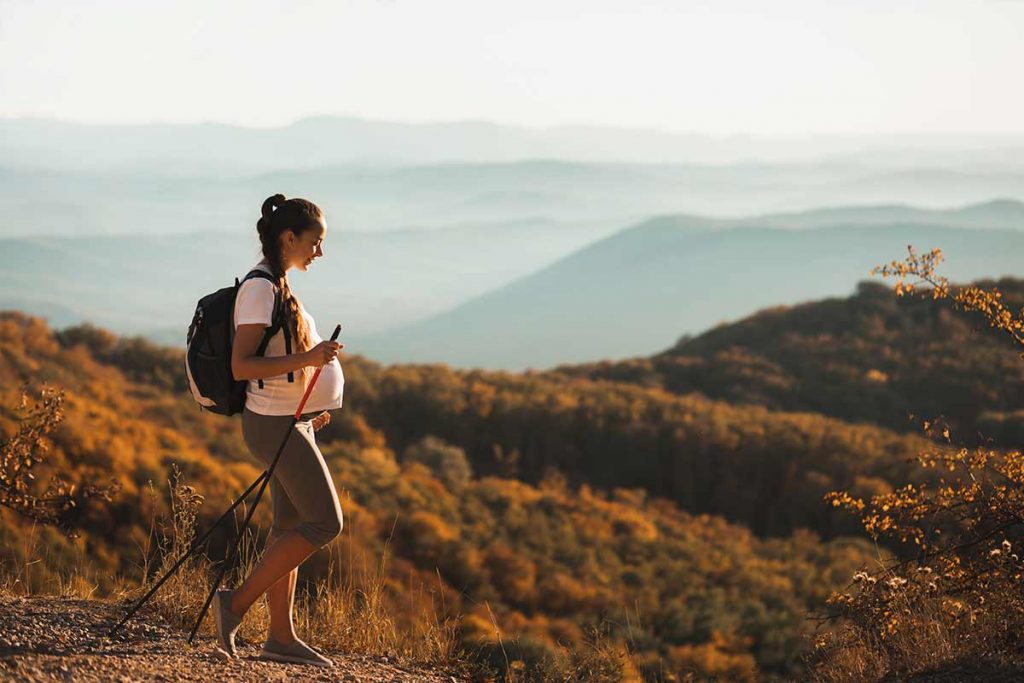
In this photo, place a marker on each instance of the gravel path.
(55, 639)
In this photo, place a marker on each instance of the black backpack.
(209, 340)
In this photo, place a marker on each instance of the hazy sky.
(716, 66)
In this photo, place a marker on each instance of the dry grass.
(603, 660)
(354, 614)
(180, 598)
(357, 614)
(914, 634)
(524, 658)
(32, 568)
(925, 642)
(358, 607)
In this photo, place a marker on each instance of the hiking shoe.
(227, 622)
(296, 653)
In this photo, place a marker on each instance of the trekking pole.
(259, 494)
(195, 545)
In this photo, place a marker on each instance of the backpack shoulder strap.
(259, 272)
(276, 320)
(275, 323)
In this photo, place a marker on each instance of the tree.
(447, 462)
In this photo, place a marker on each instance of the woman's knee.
(323, 531)
(334, 524)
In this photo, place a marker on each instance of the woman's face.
(301, 250)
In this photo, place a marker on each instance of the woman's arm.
(245, 364)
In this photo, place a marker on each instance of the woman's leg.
(277, 562)
(280, 603)
(301, 488)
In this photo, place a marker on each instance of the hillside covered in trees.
(868, 358)
(690, 532)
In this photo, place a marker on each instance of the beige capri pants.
(301, 490)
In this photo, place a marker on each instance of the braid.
(280, 214)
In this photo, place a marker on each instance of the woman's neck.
(266, 263)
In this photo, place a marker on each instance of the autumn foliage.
(547, 577)
(957, 599)
(674, 518)
(874, 358)
(59, 503)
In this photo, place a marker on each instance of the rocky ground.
(56, 639)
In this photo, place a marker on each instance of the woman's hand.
(320, 421)
(323, 353)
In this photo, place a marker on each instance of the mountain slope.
(369, 281)
(870, 357)
(635, 292)
(539, 561)
(141, 283)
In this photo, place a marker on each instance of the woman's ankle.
(284, 638)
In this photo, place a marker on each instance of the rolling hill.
(137, 284)
(871, 357)
(509, 294)
(544, 560)
(636, 292)
(152, 200)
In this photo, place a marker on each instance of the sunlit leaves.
(962, 588)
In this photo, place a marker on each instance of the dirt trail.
(56, 639)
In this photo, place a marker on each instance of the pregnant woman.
(307, 514)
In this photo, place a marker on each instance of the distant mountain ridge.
(995, 213)
(153, 199)
(635, 292)
(365, 280)
(369, 279)
(377, 283)
(325, 140)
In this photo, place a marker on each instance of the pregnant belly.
(330, 385)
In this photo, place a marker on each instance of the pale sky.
(710, 66)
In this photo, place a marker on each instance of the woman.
(307, 514)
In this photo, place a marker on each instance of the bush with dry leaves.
(59, 502)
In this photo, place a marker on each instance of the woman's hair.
(297, 215)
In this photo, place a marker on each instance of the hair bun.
(271, 203)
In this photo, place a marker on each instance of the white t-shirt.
(255, 304)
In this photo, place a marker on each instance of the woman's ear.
(287, 242)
